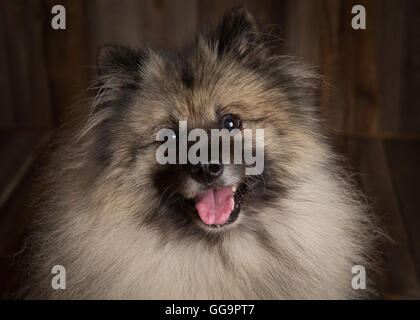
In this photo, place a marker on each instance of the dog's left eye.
(231, 121)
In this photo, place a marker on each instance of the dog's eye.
(231, 121)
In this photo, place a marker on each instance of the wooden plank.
(400, 279)
(323, 36)
(389, 55)
(404, 158)
(115, 22)
(67, 54)
(6, 111)
(359, 71)
(181, 18)
(23, 39)
(302, 29)
(134, 23)
(362, 69)
(410, 110)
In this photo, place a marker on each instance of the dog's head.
(227, 79)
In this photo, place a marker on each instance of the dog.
(127, 227)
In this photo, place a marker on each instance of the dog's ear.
(119, 64)
(238, 34)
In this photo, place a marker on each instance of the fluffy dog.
(125, 226)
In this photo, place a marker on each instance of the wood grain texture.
(360, 78)
(6, 111)
(370, 160)
(369, 74)
(28, 96)
(410, 108)
(403, 158)
(67, 59)
(135, 23)
(389, 55)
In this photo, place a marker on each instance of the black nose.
(206, 173)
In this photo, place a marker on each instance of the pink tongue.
(215, 205)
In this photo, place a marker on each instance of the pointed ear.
(121, 64)
(238, 34)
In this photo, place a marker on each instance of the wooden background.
(372, 78)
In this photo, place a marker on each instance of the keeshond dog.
(126, 227)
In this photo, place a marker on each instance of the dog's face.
(226, 80)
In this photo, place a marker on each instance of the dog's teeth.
(234, 189)
(233, 204)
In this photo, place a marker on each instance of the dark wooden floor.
(386, 170)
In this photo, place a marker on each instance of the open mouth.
(218, 207)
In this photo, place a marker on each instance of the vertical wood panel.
(134, 23)
(302, 29)
(181, 19)
(7, 104)
(330, 37)
(370, 158)
(321, 32)
(360, 71)
(389, 55)
(29, 97)
(403, 158)
(67, 52)
(410, 108)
